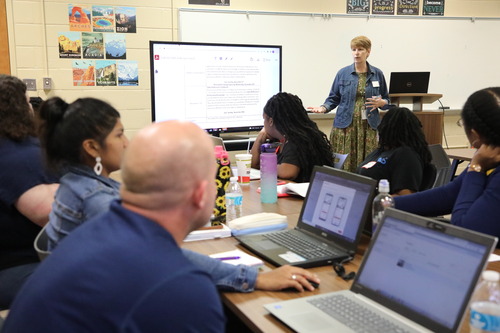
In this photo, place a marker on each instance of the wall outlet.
(30, 84)
(47, 83)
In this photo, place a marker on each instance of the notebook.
(409, 82)
(336, 205)
(417, 273)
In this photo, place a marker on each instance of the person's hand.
(319, 109)
(487, 156)
(375, 102)
(286, 277)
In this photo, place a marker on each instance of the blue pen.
(228, 258)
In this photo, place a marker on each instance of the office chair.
(338, 160)
(41, 244)
(443, 165)
(428, 177)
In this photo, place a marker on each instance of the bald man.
(124, 271)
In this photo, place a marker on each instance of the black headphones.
(338, 267)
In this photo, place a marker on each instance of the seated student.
(85, 141)
(123, 271)
(26, 189)
(473, 198)
(303, 145)
(402, 152)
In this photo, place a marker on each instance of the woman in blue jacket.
(357, 91)
(473, 198)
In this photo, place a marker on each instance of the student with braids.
(402, 152)
(303, 144)
(473, 198)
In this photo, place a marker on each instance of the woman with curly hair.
(26, 189)
(303, 145)
(402, 154)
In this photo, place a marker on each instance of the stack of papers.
(209, 233)
(293, 189)
(238, 257)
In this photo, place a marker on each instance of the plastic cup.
(243, 163)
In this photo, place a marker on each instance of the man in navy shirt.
(124, 271)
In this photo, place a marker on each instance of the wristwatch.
(475, 168)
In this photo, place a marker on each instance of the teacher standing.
(358, 90)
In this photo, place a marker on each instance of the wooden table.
(458, 156)
(249, 307)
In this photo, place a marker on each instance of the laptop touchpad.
(268, 245)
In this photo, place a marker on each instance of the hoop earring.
(98, 166)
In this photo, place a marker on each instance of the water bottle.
(381, 202)
(268, 174)
(485, 304)
(234, 200)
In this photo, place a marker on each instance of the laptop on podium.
(330, 223)
(409, 82)
(417, 276)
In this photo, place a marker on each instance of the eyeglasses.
(338, 267)
(460, 122)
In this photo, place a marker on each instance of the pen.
(228, 258)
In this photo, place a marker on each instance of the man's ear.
(199, 196)
(91, 147)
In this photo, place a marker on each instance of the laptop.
(418, 274)
(218, 141)
(330, 222)
(409, 82)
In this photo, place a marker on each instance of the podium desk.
(249, 307)
(432, 121)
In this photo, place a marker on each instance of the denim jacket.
(343, 95)
(82, 195)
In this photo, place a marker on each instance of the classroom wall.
(33, 27)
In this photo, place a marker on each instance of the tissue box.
(257, 223)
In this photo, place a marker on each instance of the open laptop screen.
(423, 269)
(336, 203)
(409, 82)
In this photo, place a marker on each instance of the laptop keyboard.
(354, 315)
(300, 246)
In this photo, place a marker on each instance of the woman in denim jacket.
(85, 141)
(358, 90)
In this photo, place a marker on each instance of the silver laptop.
(329, 226)
(409, 82)
(218, 141)
(418, 275)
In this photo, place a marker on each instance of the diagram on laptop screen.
(333, 206)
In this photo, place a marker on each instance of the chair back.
(443, 165)
(41, 244)
(338, 160)
(428, 177)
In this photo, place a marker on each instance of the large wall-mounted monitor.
(220, 87)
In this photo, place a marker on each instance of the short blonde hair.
(361, 41)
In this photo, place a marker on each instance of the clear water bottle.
(381, 202)
(485, 304)
(234, 200)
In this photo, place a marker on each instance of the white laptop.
(418, 275)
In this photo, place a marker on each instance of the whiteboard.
(462, 54)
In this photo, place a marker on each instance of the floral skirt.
(357, 140)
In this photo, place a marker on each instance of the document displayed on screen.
(216, 86)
